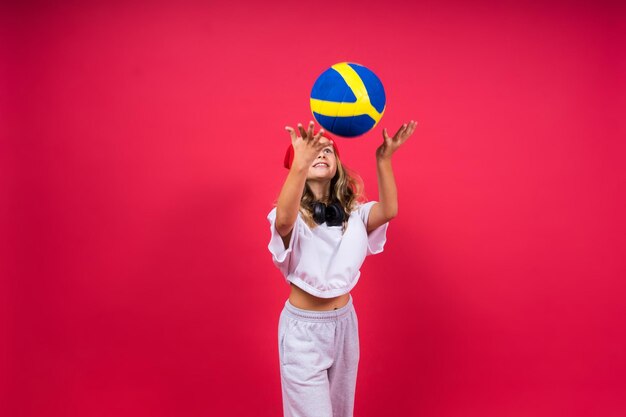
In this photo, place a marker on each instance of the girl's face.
(324, 166)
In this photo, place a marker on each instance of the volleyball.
(348, 99)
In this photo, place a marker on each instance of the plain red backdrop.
(142, 148)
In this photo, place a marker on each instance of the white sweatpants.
(319, 357)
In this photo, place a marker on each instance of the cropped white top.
(322, 261)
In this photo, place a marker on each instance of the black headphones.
(332, 214)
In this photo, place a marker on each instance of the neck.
(320, 189)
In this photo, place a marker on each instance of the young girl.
(321, 233)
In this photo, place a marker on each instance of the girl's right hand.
(307, 146)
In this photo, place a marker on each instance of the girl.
(321, 233)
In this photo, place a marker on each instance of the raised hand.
(391, 144)
(307, 146)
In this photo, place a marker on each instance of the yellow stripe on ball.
(362, 105)
(336, 109)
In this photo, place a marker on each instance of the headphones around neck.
(333, 214)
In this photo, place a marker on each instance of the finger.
(411, 128)
(400, 131)
(311, 128)
(385, 135)
(324, 142)
(292, 132)
(302, 132)
(319, 134)
(407, 133)
(388, 140)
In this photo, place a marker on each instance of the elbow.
(283, 228)
(282, 221)
(391, 215)
(389, 210)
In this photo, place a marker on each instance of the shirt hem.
(335, 292)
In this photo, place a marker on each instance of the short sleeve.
(281, 255)
(377, 238)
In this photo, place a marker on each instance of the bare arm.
(387, 207)
(289, 201)
(306, 149)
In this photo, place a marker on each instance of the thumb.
(292, 133)
(385, 135)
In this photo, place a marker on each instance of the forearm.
(290, 196)
(387, 190)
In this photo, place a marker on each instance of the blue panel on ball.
(331, 86)
(346, 126)
(374, 87)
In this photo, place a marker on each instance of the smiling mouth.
(320, 165)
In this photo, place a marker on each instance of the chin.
(320, 177)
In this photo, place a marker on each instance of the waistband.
(318, 316)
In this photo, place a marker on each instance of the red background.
(141, 151)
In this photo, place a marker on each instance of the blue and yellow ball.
(348, 99)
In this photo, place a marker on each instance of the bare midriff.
(302, 299)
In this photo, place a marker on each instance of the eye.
(327, 150)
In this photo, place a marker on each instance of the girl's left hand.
(390, 145)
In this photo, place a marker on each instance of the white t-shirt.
(322, 261)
